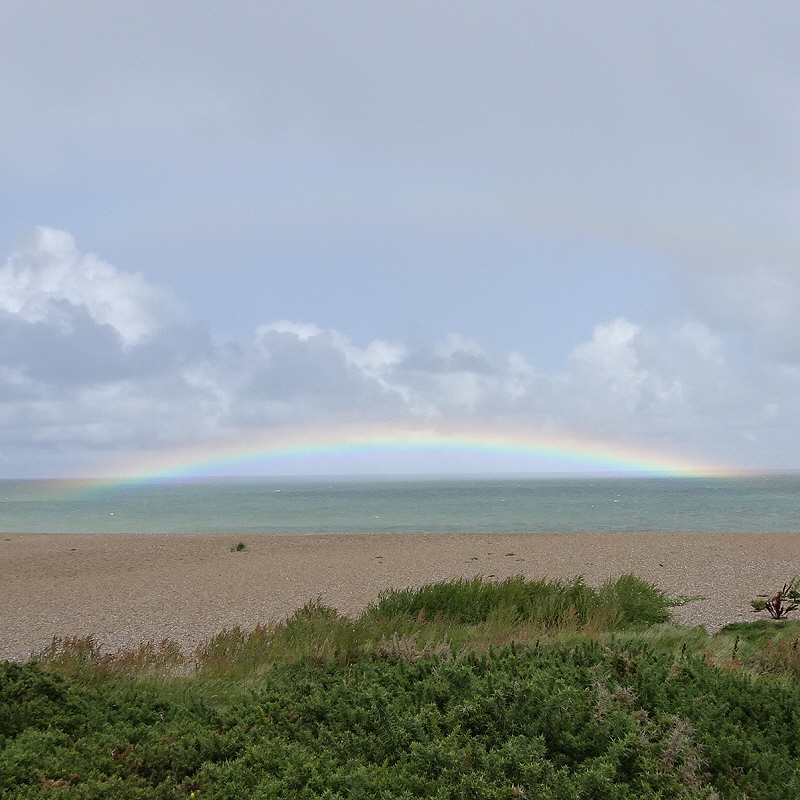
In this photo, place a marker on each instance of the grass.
(445, 619)
(451, 616)
(84, 658)
(543, 604)
(461, 689)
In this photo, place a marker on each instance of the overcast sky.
(574, 216)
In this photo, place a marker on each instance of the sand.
(125, 589)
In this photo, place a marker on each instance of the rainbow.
(401, 450)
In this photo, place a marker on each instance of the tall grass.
(438, 618)
(444, 620)
(84, 658)
(441, 618)
(546, 605)
(315, 632)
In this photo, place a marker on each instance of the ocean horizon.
(762, 503)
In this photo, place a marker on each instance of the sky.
(224, 219)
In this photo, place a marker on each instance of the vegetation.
(784, 601)
(464, 689)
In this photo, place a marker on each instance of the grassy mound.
(544, 604)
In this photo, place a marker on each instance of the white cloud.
(48, 280)
(302, 330)
(456, 344)
(610, 357)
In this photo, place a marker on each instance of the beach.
(124, 589)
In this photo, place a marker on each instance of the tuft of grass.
(238, 548)
(635, 602)
(406, 648)
(547, 605)
(83, 658)
(315, 632)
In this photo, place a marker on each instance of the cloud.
(760, 302)
(51, 282)
(627, 379)
(92, 362)
(370, 153)
(624, 103)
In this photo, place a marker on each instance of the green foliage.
(587, 721)
(315, 632)
(634, 601)
(547, 605)
(597, 698)
(115, 739)
(439, 618)
(30, 698)
(238, 548)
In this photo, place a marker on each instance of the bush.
(30, 698)
(587, 721)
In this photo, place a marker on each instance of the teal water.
(759, 504)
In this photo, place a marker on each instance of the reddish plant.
(781, 603)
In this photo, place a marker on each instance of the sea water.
(435, 505)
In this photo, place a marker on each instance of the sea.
(509, 504)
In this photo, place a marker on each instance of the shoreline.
(127, 588)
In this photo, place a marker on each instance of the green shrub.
(588, 721)
(31, 698)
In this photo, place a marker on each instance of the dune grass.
(445, 619)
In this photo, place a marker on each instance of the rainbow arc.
(387, 449)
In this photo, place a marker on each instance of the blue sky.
(224, 217)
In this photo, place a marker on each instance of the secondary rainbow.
(302, 453)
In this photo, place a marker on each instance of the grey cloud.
(453, 354)
(316, 372)
(686, 106)
(89, 353)
(761, 302)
